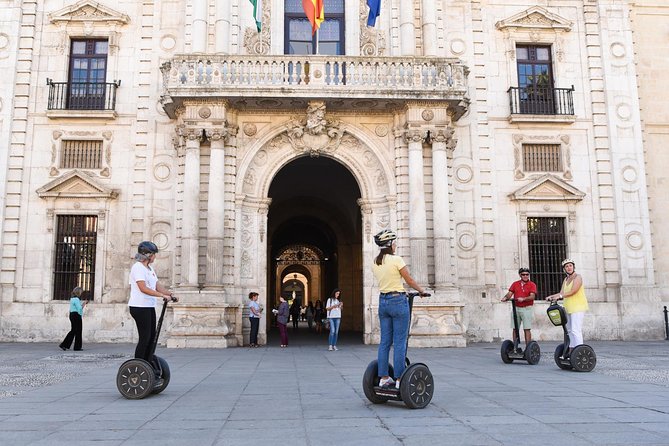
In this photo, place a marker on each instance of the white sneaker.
(387, 382)
(330, 348)
(334, 347)
(397, 384)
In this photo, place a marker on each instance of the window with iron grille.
(542, 157)
(76, 154)
(76, 238)
(547, 247)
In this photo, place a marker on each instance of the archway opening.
(315, 244)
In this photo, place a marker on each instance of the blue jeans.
(334, 330)
(394, 319)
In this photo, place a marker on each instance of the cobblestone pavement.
(305, 395)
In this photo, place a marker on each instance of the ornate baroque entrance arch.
(314, 135)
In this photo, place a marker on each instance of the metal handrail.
(82, 95)
(533, 100)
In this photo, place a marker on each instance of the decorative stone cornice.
(547, 188)
(88, 11)
(75, 185)
(535, 17)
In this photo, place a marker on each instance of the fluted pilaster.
(216, 208)
(407, 30)
(417, 212)
(442, 139)
(191, 209)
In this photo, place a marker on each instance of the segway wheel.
(533, 353)
(558, 361)
(135, 379)
(417, 386)
(583, 358)
(164, 379)
(507, 347)
(371, 379)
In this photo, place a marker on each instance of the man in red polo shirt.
(523, 291)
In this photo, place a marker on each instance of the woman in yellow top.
(575, 303)
(389, 271)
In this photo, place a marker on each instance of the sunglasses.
(525, 274)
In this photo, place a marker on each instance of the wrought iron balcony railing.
(82, 95)
(282, 79)
(533, 100)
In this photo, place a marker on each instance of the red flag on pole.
(315, 13)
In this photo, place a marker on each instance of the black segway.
(137, 378)
(416, 383)
(511, 350)
(582, 357)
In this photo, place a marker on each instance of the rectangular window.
(547, 247)
(77, 154)
(328, 40)
(542, 157)
(76, 239)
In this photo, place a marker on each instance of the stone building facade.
(491, 135)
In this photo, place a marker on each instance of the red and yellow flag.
(315, 12)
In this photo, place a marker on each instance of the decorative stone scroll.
(372, 40)
(259, 43)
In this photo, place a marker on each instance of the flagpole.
(316, 41)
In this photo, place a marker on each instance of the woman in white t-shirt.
(333, 307)
(144, 289)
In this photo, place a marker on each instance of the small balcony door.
(535, 79)
(88, 73)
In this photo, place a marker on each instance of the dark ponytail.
(385, 250)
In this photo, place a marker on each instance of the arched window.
(297, 33)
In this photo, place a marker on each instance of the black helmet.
(147, 247)
(385, 238)
(523, 270)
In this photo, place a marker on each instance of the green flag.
(257, 12)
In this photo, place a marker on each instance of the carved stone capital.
(415, 135)
(217, 134)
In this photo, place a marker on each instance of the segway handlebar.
(414, 294)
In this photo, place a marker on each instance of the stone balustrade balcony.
(290, 81)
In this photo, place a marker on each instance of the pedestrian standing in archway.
(319, 314)
(282, 321)
(333, 307)
(254, 318)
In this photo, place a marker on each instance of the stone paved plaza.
(305, 395)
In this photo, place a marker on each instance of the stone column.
(417, 212)
(440, 204)
(407, 30)
(191, 210)
(199, 29)
(216, 208)
(222, 25)
(429, 28)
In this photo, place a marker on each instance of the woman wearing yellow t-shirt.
(389, 271)
(575, 303)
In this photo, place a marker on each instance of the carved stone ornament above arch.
(536, 25)
(88, 19)
(329, 137)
